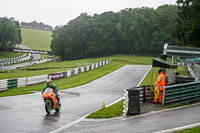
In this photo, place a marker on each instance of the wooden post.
(151, 87)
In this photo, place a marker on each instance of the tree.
(138, 31)
(72, 38)
(187, 28)
(10, 33)
(165, 18)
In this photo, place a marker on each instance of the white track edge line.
(178, 128)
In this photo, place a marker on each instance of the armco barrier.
(76, 71)
(22, 82)
(12, 83)
(72, 72)
(36, 79)
(3, 84)
(64, 74)
(79, 70)
(5, 59)
(90, 67)
(85, 68)
(55, 76)
(183, 93)
(69, 73)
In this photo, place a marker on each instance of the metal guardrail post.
(163, 99)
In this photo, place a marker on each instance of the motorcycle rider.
(49, 84)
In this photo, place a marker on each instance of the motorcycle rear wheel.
(48, 106)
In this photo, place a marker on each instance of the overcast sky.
(59, 12)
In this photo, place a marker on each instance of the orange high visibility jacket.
(160, 83)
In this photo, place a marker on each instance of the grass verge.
(190, 130)
(111, 111)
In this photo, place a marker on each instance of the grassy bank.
(36, 39)
(111, 111)
(4, 55)
(191, 130)
(47, 68)
(52, 67)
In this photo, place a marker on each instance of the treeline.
(10, 33)
(138, 31)
(36, 25)
(187, 28)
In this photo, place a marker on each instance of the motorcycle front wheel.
(48, 106)
(58, 108)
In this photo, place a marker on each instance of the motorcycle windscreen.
(48, 90)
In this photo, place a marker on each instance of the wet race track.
(26, 113)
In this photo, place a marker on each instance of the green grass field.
(9, 54)
(190, 130)
(36, 39)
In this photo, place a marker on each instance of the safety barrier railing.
(12, 61)
(22, 82)
(12, 58)
(182, 93)
(191, 72)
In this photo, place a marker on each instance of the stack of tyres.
(134, 101)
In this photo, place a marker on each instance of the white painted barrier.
(69, 73)
(97, 65)
(125, 104)
(3, 84)
(82, 69)
(92, 66)
(36, 79)
(76, 71)
(21, 82)
(103, 63)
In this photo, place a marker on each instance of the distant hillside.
(36, 25)
(36, 39)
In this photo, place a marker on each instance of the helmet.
(160, 70)
(49, 81)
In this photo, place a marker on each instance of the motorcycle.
(51, 102)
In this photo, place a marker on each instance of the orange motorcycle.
(51, 102)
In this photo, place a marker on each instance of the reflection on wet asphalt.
(49, 119)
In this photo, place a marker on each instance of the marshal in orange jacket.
(160, 83)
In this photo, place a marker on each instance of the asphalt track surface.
(26, 113)
(154, 122)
